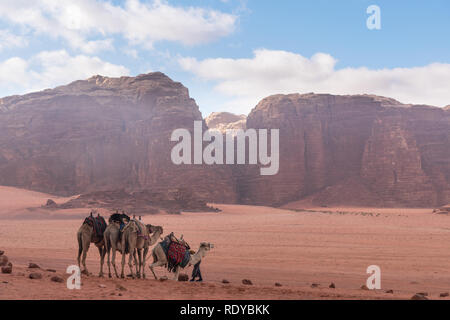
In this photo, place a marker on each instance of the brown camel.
(160, 258)
(135, 238)
(87, 235)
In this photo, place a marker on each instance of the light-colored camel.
(85, 237)
(112, 235)
(135, 238)
(160, 258)
(111, 238)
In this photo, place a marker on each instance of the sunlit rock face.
(103, 134)
(114, 133)
(358, 150)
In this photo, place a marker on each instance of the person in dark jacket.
(196, 273)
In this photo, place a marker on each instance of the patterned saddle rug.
(177, 254)
(99, 225)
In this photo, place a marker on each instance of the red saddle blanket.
(176, 255)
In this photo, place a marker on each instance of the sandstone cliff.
(103, 134)
(114, 133)
(359, 150)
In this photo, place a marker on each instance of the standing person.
(196, 273)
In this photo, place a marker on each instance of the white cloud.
(9, 40)
(88, 25)
(49, 69)
(247, 81)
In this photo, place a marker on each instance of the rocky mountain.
(358, 150)
(105, 134)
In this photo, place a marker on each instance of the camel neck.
(197, 257)
(154, 237)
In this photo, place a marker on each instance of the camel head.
(158, 230)
(154, 229)
(206, 246)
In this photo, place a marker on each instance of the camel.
(111, 239)
(86, 236)
(134, 243)
(160, 258)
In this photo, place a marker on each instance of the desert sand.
(295, 247)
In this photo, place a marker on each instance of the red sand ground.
(262, 244)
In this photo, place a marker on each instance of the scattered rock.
(332, 286)
(444, 295)
(120, 287)
(35, 276)
(51, 203)
(183, 277)
(247, 282)
(102, 286)
(1, 252)
(163, 278)
(33, 266)
(50, 270)
(120, 294)
(225, 281)
(5, 282)
(315, 285)
(419, 297)
(7, 269)
(364, 287)
(3, 261)
(57, 279)
(390, 291)
(278, 284)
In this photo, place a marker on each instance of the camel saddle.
(140, 228)
(177, 252)
(98, 223)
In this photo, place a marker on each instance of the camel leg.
(138, 266)
(143, 261)
(86, 245)
(114, 250)
(177, 272)
(108, 261)
(122, 275)
(156, 264)
(101, 250)
(80, 249)
(132, 255)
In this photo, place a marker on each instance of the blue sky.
(232, 53)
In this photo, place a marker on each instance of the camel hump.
(137, 226)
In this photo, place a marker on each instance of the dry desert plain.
(290, 246)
